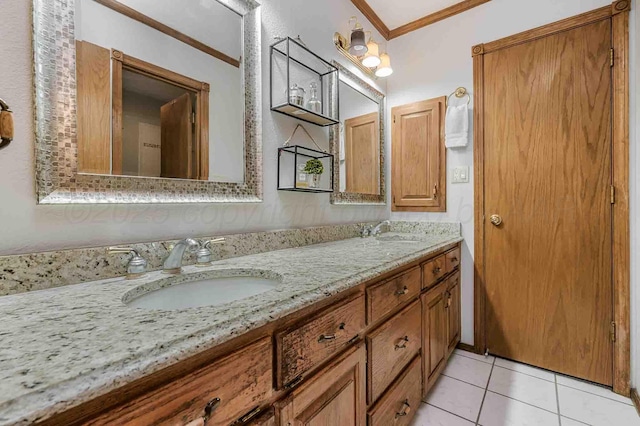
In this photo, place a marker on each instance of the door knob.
(495, 220)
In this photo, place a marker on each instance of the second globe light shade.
(372, 58)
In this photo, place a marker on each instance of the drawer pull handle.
(249, 416)
(454, 259)
(403, 343)
(210, 408)
(402, 292)
(325, 337)
(406, 409)
(436, 270)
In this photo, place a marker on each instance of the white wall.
(434, 61)
(27, 227)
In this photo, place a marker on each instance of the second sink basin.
(205, 292)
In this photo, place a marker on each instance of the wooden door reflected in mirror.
(359, 142)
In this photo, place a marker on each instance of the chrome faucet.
(376, 231)
(173, 263)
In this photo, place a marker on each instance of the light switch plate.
(461, 174)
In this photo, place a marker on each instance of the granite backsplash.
(38, 271)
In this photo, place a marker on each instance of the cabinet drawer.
(390, 348)
(452, 259)
(399, 405)
(302, 347)
(239, 383)
(385, 297)
(432, 271)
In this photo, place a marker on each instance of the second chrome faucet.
(173, 263)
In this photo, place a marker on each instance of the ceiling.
(399, 17)
(399, 12)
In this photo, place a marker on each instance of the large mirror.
(358, 142)
(160, 100)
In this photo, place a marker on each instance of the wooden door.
(334, 396)
(547, 174)
(93, 68)
(362, 154)
(418, 157)
(453, 312)
(434, 334)
(177, 138)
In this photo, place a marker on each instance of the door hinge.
(611, 56)
(613, 331)
(394, 118)
(613, 194)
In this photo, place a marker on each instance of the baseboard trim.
(468, 348)
(636, 399)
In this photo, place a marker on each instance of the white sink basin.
(206, 292)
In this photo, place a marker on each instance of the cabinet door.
(335, 396)
(434, 334)
(418, 157)
(453, 312)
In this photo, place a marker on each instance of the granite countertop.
(64, 346)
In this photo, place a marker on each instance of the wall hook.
(6, 124)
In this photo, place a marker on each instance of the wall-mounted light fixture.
(365, 55)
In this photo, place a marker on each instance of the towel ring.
(460, 92)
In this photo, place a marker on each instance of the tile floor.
(488, 391)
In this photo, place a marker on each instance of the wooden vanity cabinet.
(364, 356)
(334, 396)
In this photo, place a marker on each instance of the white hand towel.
(456, 126)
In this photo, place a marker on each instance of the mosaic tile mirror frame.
(57, 177)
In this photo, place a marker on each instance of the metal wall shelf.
(293, 63)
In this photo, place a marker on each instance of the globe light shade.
(372, 58)
(384, 70)
(358, 46)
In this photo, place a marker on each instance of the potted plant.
(314, 168)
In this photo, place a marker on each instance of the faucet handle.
(121, 250)
(204, 255)
(214, 241)
(137, 265)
